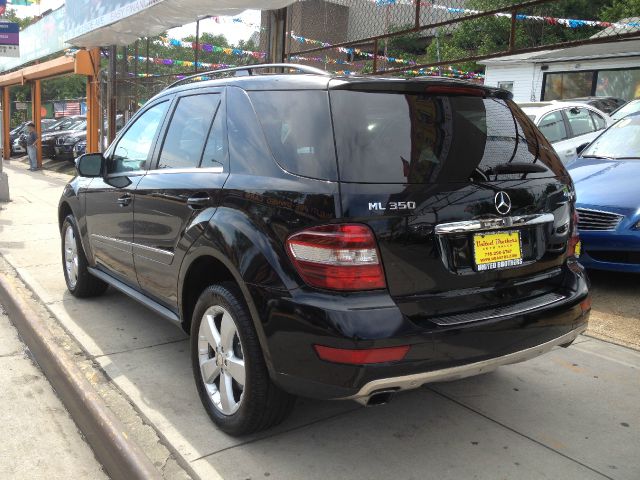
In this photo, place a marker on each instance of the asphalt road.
(573, 413)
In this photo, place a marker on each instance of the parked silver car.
(567, 125)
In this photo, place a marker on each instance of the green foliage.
(60, 88)
(620, 9)
(490, 35)
(11, 16)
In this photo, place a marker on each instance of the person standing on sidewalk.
(32, 151)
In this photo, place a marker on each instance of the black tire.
(262, 404)
(86, 285)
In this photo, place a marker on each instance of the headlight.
(636, 226)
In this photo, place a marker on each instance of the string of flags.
(206, 47)
(171, 61)
(566, 22)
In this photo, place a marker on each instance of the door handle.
(124, 200)
(196, 203)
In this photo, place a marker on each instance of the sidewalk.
(38, 439)
(570, 414)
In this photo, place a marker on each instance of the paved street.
(38, 439)
(573, 414)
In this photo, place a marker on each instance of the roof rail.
(249, 71)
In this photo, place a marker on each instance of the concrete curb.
(121, 457)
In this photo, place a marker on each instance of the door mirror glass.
(90, 165)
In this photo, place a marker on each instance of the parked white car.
(567, 125)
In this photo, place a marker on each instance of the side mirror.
(581, 148)
(90, 165)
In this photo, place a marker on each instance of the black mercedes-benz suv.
(331, 237)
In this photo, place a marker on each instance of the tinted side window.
(297, 125)
(552, 127)
(133, 148)
(598, 120)
(580, 121)
(188, 131)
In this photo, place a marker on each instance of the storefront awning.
(122, 22)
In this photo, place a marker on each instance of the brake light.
(361, 356)
(573, 246)
(337, 257)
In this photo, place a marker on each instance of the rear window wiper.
(515, 167)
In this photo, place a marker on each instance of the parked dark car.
(58, 132)
(606, 178)
(331, 237)
(604, 104)
(64, 146)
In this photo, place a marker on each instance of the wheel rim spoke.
(227, 332)
(235, 367)
(209, 332)
(210, 370)
(227, 402)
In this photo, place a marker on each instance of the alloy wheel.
(71, 256)
(221, 359)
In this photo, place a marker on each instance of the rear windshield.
(417, 138)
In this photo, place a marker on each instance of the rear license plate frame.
(501, 264)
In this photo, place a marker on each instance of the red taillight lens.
(337, 257)
(573, 246)
(361, 356)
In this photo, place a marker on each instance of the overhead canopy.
(79, 63)
(122, 22)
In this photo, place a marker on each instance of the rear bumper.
(293, 324)
(409, 382)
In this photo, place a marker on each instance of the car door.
(554, 127)
(179, 194)
(109, 200)
(582, 129)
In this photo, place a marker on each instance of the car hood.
(606, 183)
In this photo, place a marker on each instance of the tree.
(489, 35)
(620, 9)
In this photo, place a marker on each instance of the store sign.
(21, 106)
(84, 17)
(9, 39)
(38, 40)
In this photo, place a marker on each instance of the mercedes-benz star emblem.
(503, 203)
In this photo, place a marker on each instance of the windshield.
(628, 109)
(82, 125)
(622, 140)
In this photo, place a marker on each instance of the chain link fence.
(411, 37)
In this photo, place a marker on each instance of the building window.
(623, 84)
(506, 86)
(558, 86)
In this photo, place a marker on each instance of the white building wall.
(527, 77)
(522, 76)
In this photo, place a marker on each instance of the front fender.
(73, 199)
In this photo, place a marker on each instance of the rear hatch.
(469, 203)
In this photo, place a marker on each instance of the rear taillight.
(573, 246)
(337, 257)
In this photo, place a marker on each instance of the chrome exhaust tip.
(381, 397)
